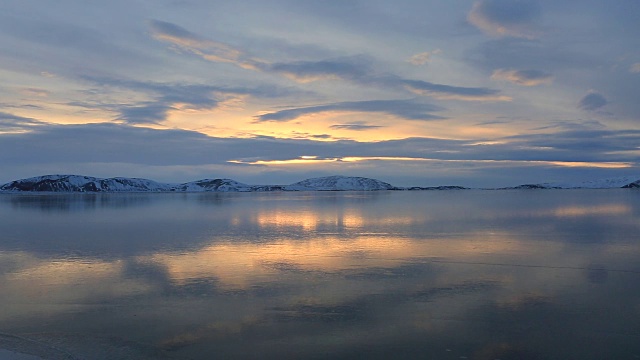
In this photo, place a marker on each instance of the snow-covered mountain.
(340, 183)
(79, 183)
(226, 185)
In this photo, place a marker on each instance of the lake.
(469, 274)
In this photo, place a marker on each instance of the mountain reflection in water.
(441, 274)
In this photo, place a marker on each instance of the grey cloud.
(207, 49)
(111, 143)
(582, 144)
(355, 69)
(152, 113)
(163, 28)
(356, 126)
(565, 125)
(10, 122)
(190, 93)
(452, 92)
(105, 148)
(20, 106)
(506, 17)
(523, 77)
(406, 109)
(166, 95)
(359, 70)
(592, 101)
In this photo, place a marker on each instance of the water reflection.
(76, 202)
(594, 210)
(332, 275)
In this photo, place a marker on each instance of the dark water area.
(530, 274)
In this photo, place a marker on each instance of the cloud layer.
(480, 91)
(592, 101)
(107, 145)
(517, 18)
(405, 109)
(523, 77)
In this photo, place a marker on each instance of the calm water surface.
(341, 275)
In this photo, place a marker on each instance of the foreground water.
(432, 275)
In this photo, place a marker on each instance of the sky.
(411, 92)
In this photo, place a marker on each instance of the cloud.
(523, 77)
(635, 68)
(178, 35)
(359, 70)
(179, 155)
(581, 144)
(207, 49)
(592, 101)
(405, 109)
(348, 68)
(448, 92)
(516, 18)
(12, 123)
(423, 57)
(151, 113)
(166, 96)
(34, 92)
(355, 69)
(356, 126)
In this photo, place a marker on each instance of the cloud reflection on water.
(345, 274)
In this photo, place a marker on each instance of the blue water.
(534, 274)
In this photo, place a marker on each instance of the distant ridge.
(608, 183)
(88, 184)
(337, 183)
(80, 183)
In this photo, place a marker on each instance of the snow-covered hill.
(226, 185)
(609, 183)
(79, 183)
(339, 183)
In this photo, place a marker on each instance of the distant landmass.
(610, 183)
(88, 184)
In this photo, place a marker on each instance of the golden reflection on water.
(310, 220)
(240, 265)
(605, 209)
